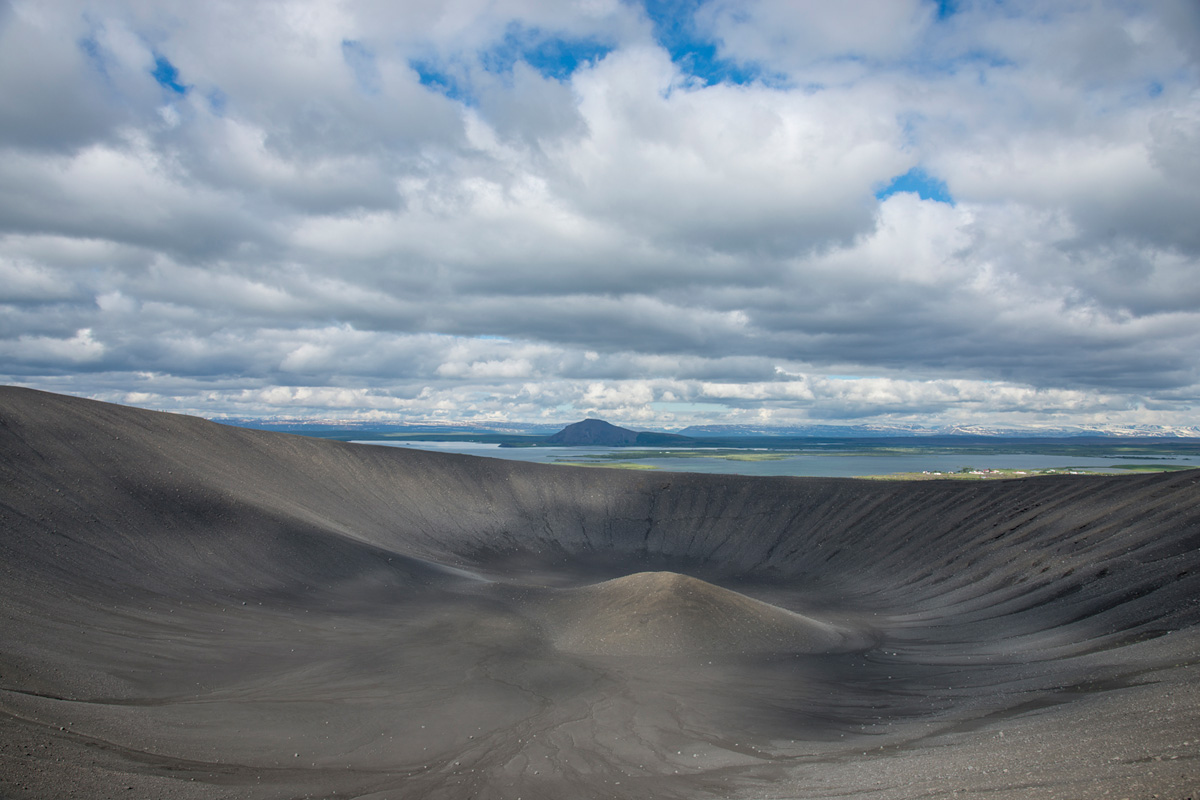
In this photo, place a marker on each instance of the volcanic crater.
(191, 610)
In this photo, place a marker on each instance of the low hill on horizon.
(601, 433)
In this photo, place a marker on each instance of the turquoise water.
(846, 463)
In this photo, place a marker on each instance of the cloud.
(50, 351)
(684, 212)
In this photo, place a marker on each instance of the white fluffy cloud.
(535, 210)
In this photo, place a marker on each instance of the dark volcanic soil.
(192, 610)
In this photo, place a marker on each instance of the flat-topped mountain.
(599, 432)
(594, 431)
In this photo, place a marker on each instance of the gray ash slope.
(195, 610)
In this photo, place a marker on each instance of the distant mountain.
(601, 433)
(593, 431)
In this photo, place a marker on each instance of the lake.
(845, 461)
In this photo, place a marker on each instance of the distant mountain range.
(890, 431)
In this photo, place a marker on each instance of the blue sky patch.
(438, 77)
(946, 8)
(167, 75)
(700, 60)
(675, 31)
(920, 183)
(552, 56)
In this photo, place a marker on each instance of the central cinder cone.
(665, 613)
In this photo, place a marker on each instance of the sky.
(661, 213)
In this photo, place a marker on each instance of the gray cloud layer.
(263, 208)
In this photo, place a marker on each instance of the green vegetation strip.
(606, 465)
(727, 455)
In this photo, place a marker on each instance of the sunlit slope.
(665, 613)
